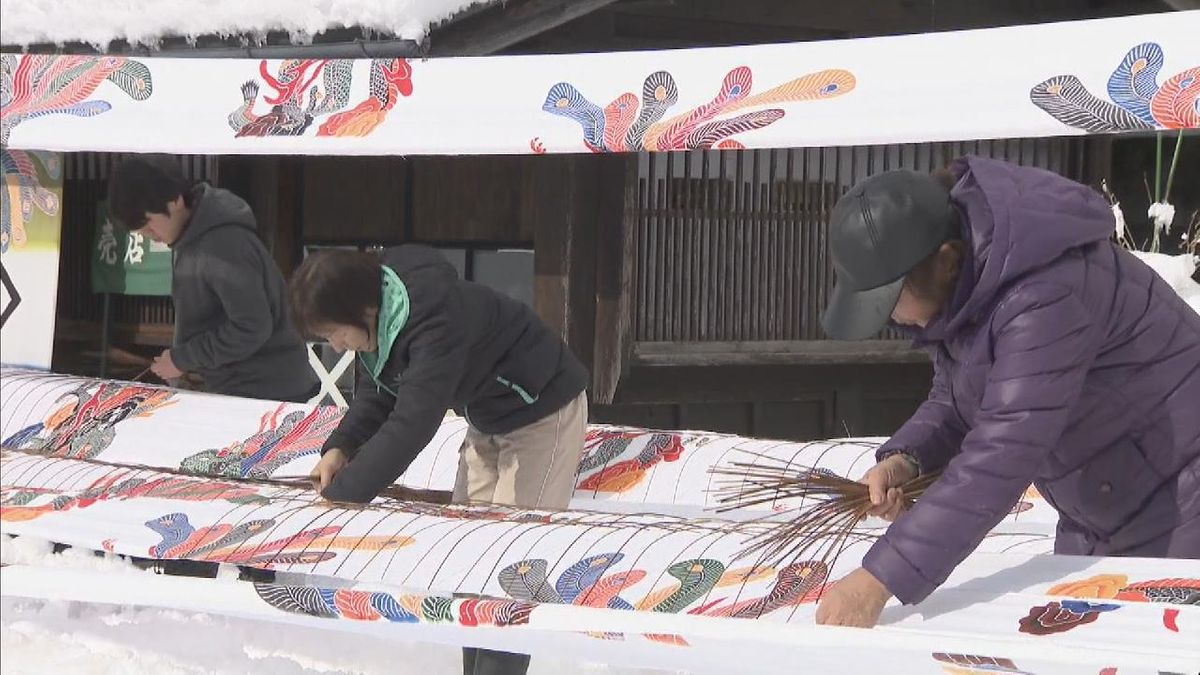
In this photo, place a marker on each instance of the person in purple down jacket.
(1059, 359)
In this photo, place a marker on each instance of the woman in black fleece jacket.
(427, 342)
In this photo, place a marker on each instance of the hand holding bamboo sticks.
(830, 506)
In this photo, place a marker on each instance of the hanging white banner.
(30, 229)
(1138, 73)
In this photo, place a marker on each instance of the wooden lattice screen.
(732, 246)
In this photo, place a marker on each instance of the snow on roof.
(98, 22)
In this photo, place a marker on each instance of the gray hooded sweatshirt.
(231, 317)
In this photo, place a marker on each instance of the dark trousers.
(487, 662)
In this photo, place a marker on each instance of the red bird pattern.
(84, 426)
(232, 543)
(297, 100)
(598, 472)
(276, 443)
(17, 504)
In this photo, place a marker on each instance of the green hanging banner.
(127, 263)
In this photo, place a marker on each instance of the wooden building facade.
(691, 283)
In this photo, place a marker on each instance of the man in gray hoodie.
(231, 321)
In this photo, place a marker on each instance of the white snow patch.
(83, 638)
(98, 22)
(34, 551)
(24, 550)
(50, 644)
(39, 637)
(1177, 271)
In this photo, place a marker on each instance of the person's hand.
(333, 461)
(856, 600)
(164, 367)
(884, 481)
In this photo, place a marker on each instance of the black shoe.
(488, 662)
(256, 575)
(189, 568)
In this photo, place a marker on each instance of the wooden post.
(105, 335)
(287, 179)
(559, 195)
(271, 185)
(1097, 160)
(581, 272)
(616, 242)
(546, 202)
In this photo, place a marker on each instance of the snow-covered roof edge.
(146, 22)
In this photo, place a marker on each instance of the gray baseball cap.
(879, 231)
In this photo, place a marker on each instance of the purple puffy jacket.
(1062, 360)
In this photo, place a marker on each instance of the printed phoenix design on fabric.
(298, 100)
(621, 126)
(1138, 102)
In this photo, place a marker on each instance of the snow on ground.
(33, 551)
(69, 637)
(1176, 270)
(38, 637)
(98, 22)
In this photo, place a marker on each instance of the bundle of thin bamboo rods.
(830, 507)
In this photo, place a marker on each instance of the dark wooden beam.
(866, 15)
(696, 32)
(506, 24)
(150, 334)
(559, 43)
(766, 353)
(708, 383)
(860, 18)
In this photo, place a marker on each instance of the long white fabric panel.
(153, 473)
(622, 469)
(670, 642)
(466, 549)
(520, 563)
(1137, 73)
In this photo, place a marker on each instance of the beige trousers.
(533, 466)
